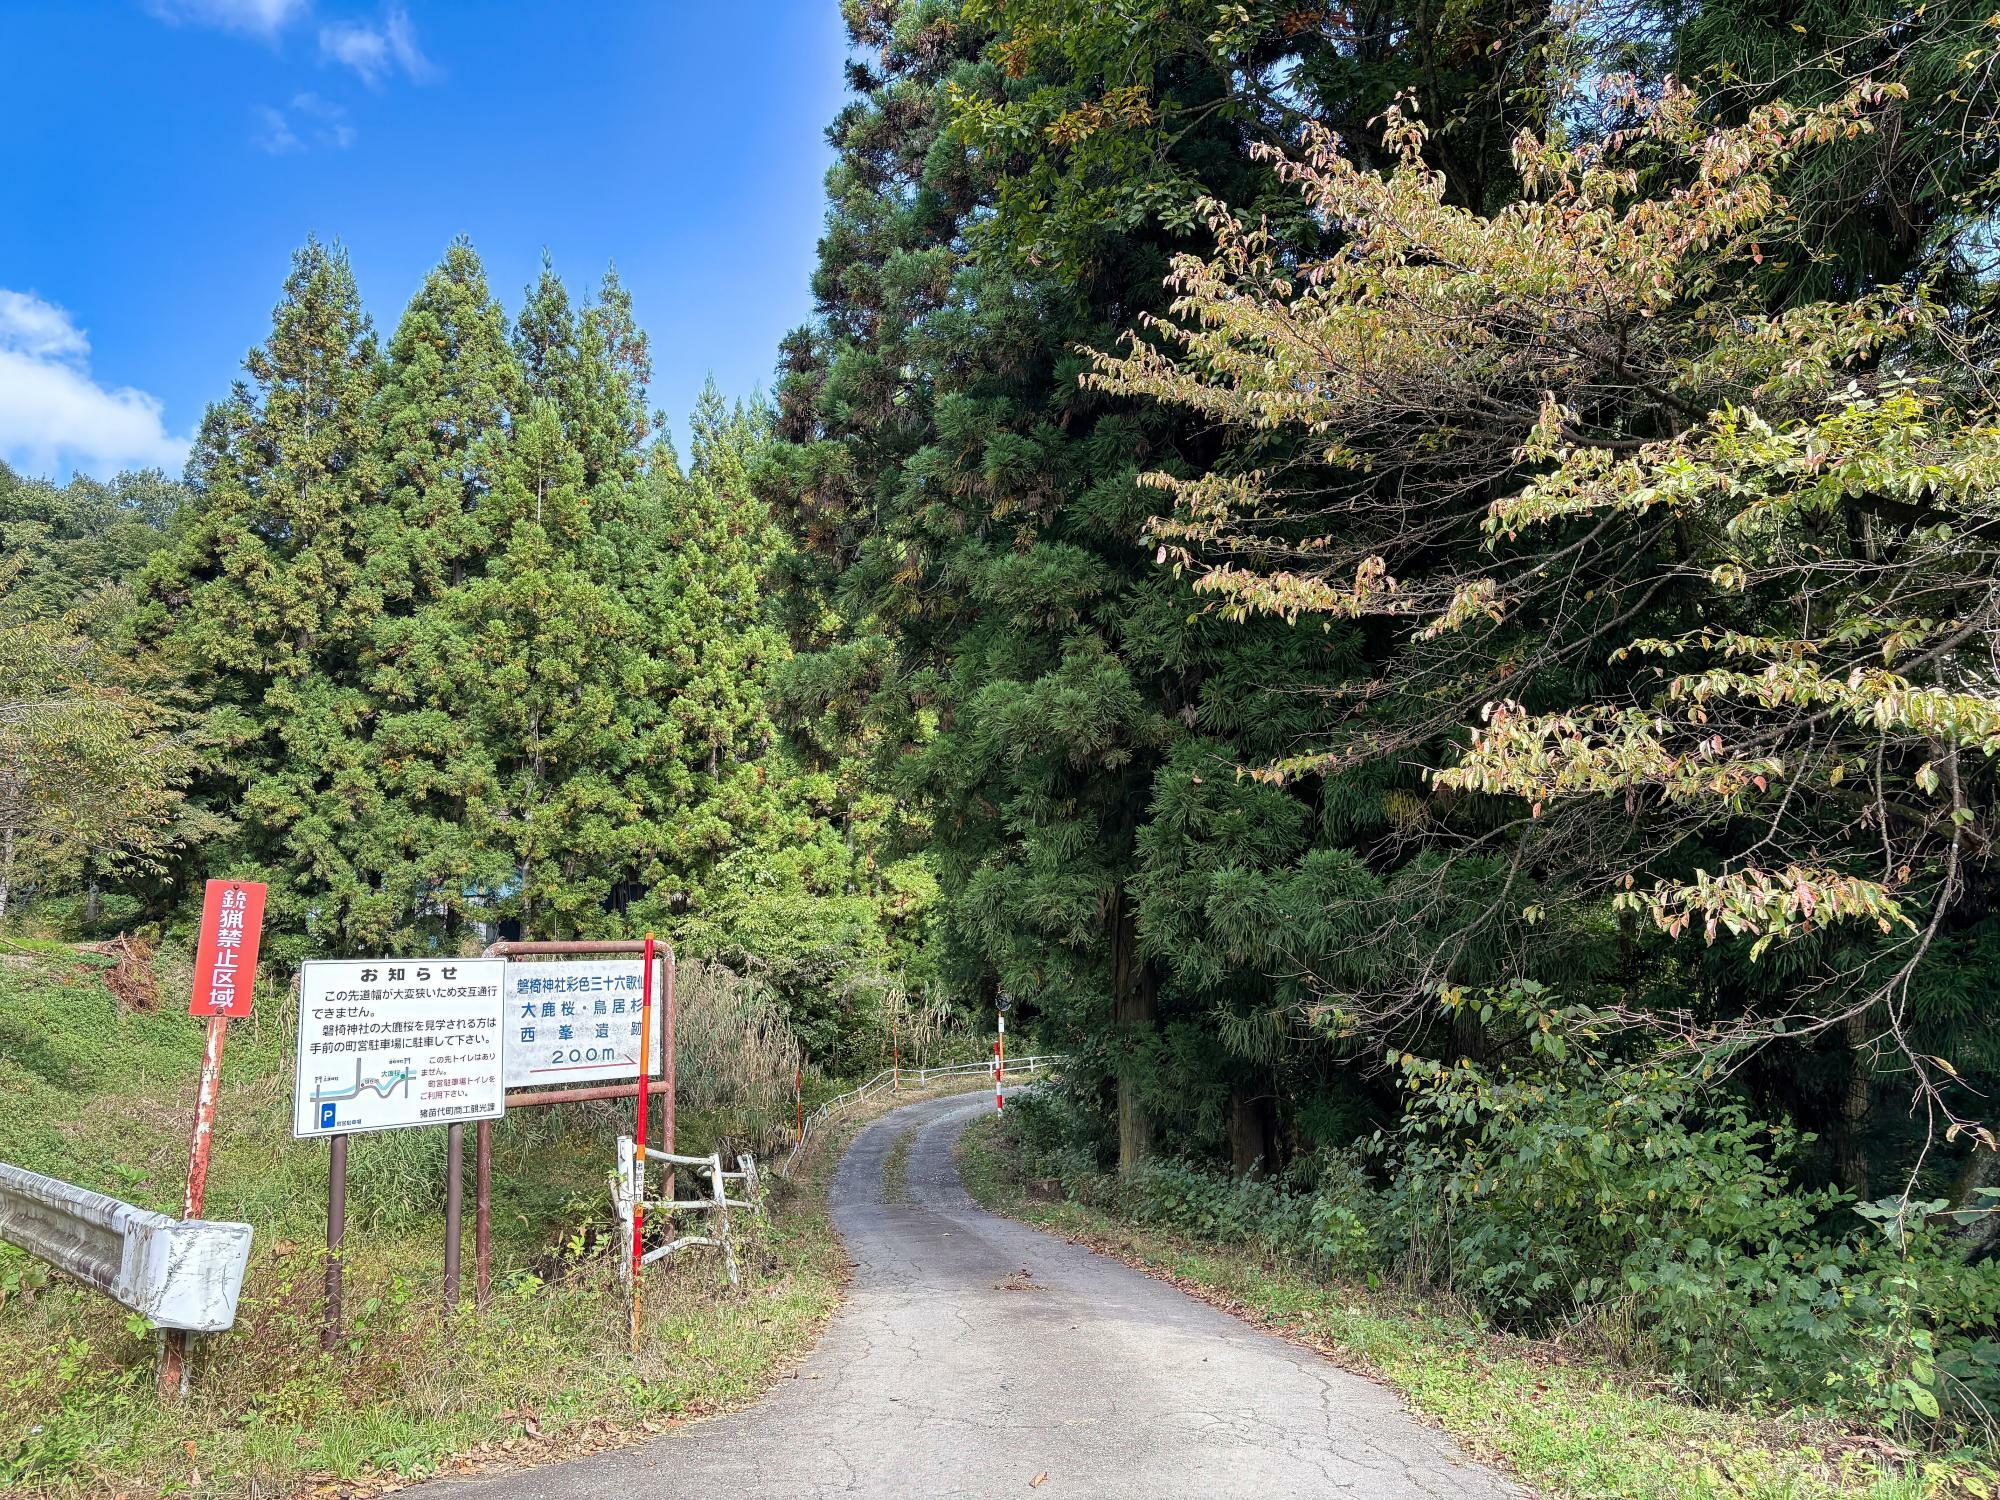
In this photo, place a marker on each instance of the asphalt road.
(975, 1354)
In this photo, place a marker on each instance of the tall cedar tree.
(697, 569)
(989, 623)
(439, 441)
(551, 680)
(265, 604)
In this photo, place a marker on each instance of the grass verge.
(1566, 1425)
(101, 1095)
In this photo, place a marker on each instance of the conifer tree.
(591, 365)
(616, 366)
(266, 600)
(545, 345)
(695, 559)
(552, 670)
(440, 436)
(1009, 186)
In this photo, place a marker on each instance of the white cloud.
(54, 416)
(376, 52)
(309, 119)
(327, 121)
(265, 18)
(38, 328)
(274, 132)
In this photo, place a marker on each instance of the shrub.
(737, 1056)
(1566, 1182)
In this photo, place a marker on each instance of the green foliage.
(94, 754)
(977, 619)
(71, 541)
(1575, 1184)
(471, 656)
(93, 762)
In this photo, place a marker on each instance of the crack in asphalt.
(939, 1379)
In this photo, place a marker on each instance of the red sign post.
(225, 978)
(639, 1154)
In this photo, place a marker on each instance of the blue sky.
(165, 156)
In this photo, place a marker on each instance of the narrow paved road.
(975, 1354)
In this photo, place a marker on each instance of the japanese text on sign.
(577, 1020)
(390, 1043)
(225, 960)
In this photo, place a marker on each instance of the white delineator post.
(1000, 1067)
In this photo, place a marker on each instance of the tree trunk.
(1850, 1145)
(6, 867)
(1132, 1012)
(1251, 1148)
(1981, 1234)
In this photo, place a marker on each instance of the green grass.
(102, 1097)
(896, 1168)
(1568, 1426)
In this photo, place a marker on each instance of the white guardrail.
(181, 1273)
(916, 1078)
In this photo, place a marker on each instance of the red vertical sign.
(225, 977)
(225, 961)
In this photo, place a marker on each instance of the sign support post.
(482, 1215)
(336, 1236)
(225, 982)
(454, 1209)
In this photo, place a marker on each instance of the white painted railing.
(889, 1078)
(182, 1274)
(628, 1191)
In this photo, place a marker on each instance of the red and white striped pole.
(1000, 1067)
(639, 1144)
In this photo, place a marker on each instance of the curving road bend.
(975, 1354)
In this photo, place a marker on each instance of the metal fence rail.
(917, 1077)
(181, 1273)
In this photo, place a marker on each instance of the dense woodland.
(1416, 585)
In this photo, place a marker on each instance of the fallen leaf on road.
(1039, 1480)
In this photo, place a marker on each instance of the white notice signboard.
(386, 1043)
(577, 1020)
